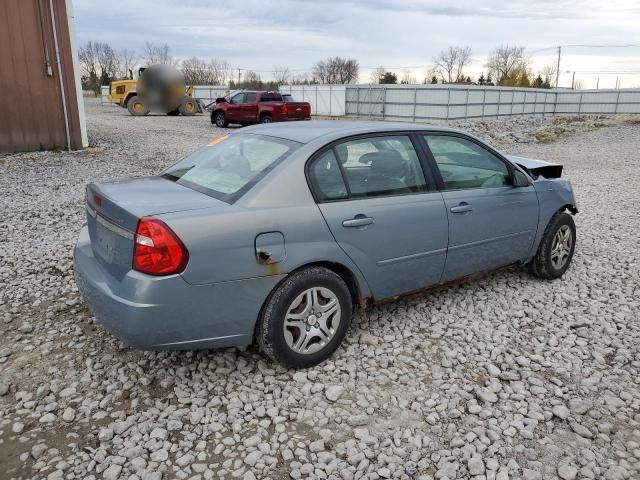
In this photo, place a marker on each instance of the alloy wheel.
(561, 247)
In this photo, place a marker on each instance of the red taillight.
(285, 109)
(157, 250)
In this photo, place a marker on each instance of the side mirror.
(520, 179)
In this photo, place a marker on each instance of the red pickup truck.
(249, 107)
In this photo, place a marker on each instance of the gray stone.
(334, 392)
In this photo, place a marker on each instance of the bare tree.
(281, 75)
(336, 70)
(153, 53)
(548, 72)
(506, 60)
(304, 78)
(196, 71)
(127, 60)
(251, 80)
(319, 72)
(450, 63)
(377, 74)
(219, 71)
(98, 63)
(408, 78)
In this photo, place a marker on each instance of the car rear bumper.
(167, 312)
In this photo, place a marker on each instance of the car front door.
(234, 108)
(491, 222)
(383, 211)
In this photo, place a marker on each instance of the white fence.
(451, 102)
(324, 99)
(208, 93)
(419, 103)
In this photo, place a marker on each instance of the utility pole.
(573, 79)
(598, 83)
(558, 67)
(239, 76)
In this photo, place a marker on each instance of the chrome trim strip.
(90, 210)
(109, 225)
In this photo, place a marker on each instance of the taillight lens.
(157, 250)
(285, 109)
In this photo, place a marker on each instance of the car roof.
(308, 131)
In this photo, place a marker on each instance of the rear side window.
(250, 98)
(230, 165)
(271, 97)
(379, 166)
(464, 164)
(326, 178)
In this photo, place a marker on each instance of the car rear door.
(383, 211)
(249, 107)
(491, 222)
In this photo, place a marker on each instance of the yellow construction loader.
(159, 88)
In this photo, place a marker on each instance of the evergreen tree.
(388, 78)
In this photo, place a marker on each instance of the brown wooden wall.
(31, 111)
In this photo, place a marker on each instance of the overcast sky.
(398, 34)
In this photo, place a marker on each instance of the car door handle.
(462, 207)
(358, 221)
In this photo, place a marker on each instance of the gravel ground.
(506, 377)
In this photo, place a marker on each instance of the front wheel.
(556, 249)
(305, 319)
(220, 120)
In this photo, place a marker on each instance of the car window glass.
(227, 166)
(271, 97)
(326, 178)
(464, 164)
(381, 166)
(238, 98)
(250, 98)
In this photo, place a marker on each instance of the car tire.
(173, 113)
(556, 249)
(306, 341)
(266, 119)
(219, 120)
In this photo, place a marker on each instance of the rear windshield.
(288, 98)
(230, 165)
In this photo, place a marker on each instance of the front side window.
(230, 165)
(238, 97)
(464, 164)
(384, 165)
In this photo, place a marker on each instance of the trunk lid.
(113, 211)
